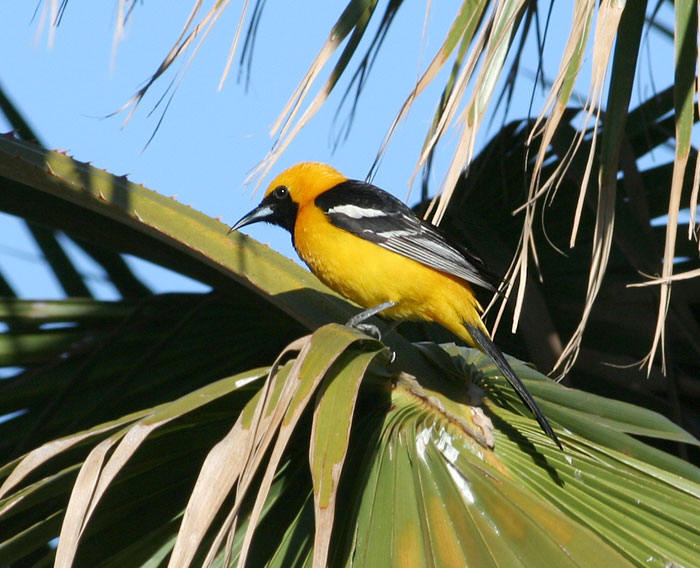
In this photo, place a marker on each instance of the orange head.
(293, 188)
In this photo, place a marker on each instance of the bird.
(370, 247)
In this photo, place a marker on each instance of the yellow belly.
(370, 275)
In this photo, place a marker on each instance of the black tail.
(489, 347)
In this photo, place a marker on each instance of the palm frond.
(49, 243)
(621, 324)
(153, 433)
(492, 39)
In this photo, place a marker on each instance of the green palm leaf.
(148, 432)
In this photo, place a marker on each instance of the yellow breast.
(370, 275)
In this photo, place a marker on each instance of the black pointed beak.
(262, 212)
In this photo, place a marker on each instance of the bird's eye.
(280, 192)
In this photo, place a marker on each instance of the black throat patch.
(284, 211)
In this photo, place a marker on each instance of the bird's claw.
(368, 328)
(373, 331)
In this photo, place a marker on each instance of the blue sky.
(209, 139)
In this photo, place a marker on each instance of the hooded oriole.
(367, 245)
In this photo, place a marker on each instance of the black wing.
(377, 216)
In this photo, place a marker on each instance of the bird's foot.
(368, 328)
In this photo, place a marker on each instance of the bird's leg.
(365, 315)
(368, 328)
